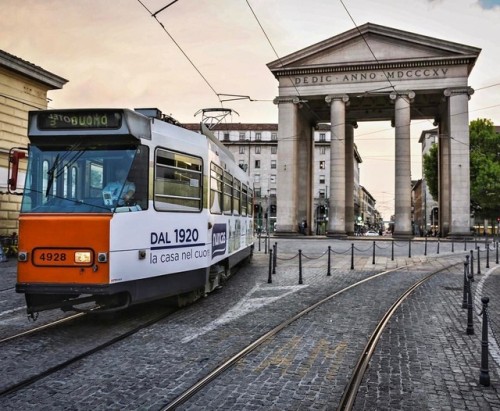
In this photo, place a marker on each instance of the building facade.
(23, 87)
(255, 148)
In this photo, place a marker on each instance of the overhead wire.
(154, 15)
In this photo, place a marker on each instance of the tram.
(125, 206)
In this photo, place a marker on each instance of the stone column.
(349, 178)
(287, 172)
(458, 120)
(444, 174)
(402, 224)
(337, 211)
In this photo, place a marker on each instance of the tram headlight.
(22, 256)
(83, 257)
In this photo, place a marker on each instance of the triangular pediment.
(372, 44)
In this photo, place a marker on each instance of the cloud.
(489, 4)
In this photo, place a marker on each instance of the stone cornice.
(292, 71)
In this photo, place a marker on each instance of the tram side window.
(215, 189)
(244, 200)
(228, 193)
(250, 202)
(236, 196)
(178, 182)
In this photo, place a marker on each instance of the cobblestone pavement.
(425, 360)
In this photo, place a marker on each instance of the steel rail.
(190, 392)
(349, 396)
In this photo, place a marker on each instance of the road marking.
(252, 301)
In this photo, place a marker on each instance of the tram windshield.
(86, 180)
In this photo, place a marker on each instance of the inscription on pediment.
(369, 76)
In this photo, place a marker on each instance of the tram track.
(358, 370)
(43, 327)
(61, 363)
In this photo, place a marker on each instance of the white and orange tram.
(121, 207)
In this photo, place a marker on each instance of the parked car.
(372, 233)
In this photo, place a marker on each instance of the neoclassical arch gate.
(368, 74)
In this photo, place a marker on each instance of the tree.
(484, 169)
(430, 167)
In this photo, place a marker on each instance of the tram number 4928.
(45, 256)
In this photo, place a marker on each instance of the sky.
(115, 54)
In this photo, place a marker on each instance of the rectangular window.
(244, 200)
(242, 136)
(250, 202)
(322, 136)
(272, 178)
(178, 182)
(274, 149)
(322, 193)
(257, 149)
(257, 164)
(257, 192)
(274, 136)
(273, 163)
(322, 165)
(322, 150)
(228, 193)
(322, 179)
(226, 136)
(242, 149)
(215, 189)
(258, 136)
(256, 178)
(236, 196)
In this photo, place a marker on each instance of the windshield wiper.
(50, 174)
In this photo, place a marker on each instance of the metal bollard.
(392, 251)
(438, 247)
(496, 261)
(471, 264)
(484, 376)
(259, 241)
(352, 256)
(452, 246)
(465, 245)
(270, 278)
(409, 248)
(466, 271)
(470, 317)
(300, 267)
(425, 246)
(265, 245)
(488, 255)
(373, 258)
(275, 253)
(328, 272)
(478, 261)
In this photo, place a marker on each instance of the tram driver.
(120, 191)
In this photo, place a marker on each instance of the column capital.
(342, 97)
(287, 99)
(407, 94)
(455, 91)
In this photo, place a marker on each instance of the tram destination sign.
(79, 120)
